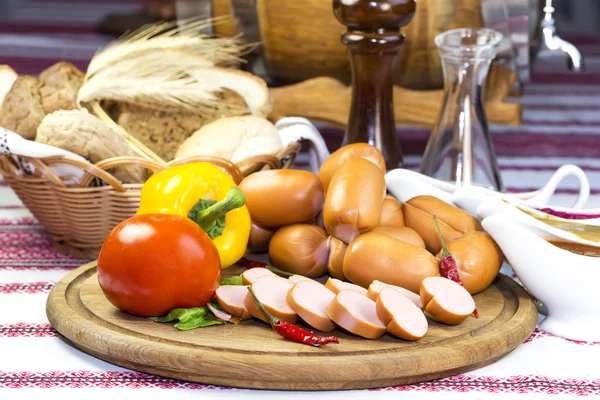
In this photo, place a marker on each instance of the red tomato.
(150, 264)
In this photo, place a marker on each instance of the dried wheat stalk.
(157, 67)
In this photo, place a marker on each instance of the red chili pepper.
(448, 268)
(244, 262)
(291, 331)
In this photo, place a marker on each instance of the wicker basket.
(80, 216)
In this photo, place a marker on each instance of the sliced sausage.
(354, 199)
(355, 150)
(297, 278)
(231, 299)
(335, 263)
(402, 317)
(271, 291)
(375, 256)
(282, 196)
(391, 213)
(376, 286)
(446, 300)
(300, 249)
(259, 238)
(403, 233)
(309, 299)
(250, 275)
(336, 286)
(357, 314)
(478, 260)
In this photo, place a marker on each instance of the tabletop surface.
(561, 125)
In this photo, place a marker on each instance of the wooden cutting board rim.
(521, 323)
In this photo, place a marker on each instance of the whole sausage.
(375, 256)
(335, 263)
(355, 150)
(478, 260)
(391, 213)
(282, 197)
(354, 199)
(259, 238)
(403, 233)
(300, 249)
(453, 222)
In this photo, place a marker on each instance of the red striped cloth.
(561, 125)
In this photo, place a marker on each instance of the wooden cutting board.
(251, 355)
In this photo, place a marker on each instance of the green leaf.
(181, 314)
(198, 323)
(232, 280)
(189, 318)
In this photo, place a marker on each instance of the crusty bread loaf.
(59, 86)
(161, 131)
(82, 133)
(164, 131)
(22, 109)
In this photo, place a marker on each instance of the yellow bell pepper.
(208, 196)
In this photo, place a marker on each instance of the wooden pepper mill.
(373, 40)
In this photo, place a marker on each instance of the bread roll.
(82, 133)
(22, 110)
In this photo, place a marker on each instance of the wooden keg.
(301, 39)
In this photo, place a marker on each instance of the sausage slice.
(231, 299)
(402, 317)
(376, 286)
(297, 278)
(356, 314)
(446, 300)
(336, 286)
(310, 299)
(272, 292)
(252, 274)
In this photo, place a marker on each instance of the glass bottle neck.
(465, 77)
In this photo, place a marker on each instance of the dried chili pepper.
(293, 332)
(448, 268)
(244, 262)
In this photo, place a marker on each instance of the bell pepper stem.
(234, 199)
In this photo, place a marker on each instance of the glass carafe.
(460, 148)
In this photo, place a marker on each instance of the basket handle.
(115, 162)
(230, 168)
(90, 169)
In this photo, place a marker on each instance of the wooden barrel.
(301, 39)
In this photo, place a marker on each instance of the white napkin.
(296, 129)
(12, 143)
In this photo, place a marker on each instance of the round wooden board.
(251, 355)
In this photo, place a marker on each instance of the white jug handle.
(295, 129)
(543, 196)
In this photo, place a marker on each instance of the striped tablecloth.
(561, 125)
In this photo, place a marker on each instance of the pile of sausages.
(377, 251)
